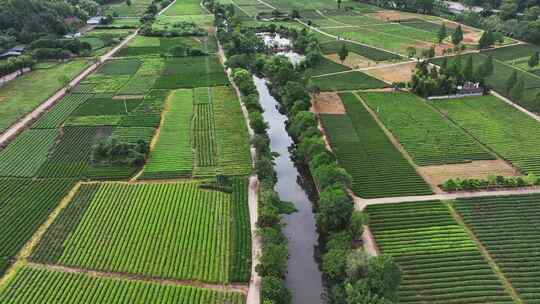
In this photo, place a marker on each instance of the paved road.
(48, 103)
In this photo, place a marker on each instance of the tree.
(511, 82)
(128, 2)
(486, 40)
(343, 53)
(358, 220)
(457, 36)
(339, 4)
(295, 14)
(486, 69)
(517, 91)
(411, 52)
(335, 209)
(273, 291)
(442, 33)
(468, 70)
(533, 61)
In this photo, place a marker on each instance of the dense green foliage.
(172, 156)
(187, 251)
(27, 152)
(501, 224)
(377, 168)
(429, 137)
(505, 130)
(24, 288)
(435, 254)
(23, 211)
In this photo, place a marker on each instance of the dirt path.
(520, 108)
(242, 288)
(370, 246)
(51, 101)
(254, 291)
(491, 262)
(394, 140)
(267, 4)
(363, 203)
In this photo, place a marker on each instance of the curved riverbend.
(303, 278)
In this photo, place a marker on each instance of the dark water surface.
(303, 278)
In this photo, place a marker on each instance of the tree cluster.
(492, 182)
(112, 151)
(23, 21)
(53, 48)
(428, 80)
(16, 63)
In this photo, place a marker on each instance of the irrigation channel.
(303, 278)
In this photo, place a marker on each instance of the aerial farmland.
(268, 152)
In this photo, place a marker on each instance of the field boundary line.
(21, 258)
(487, 256)
(346, 40)
(245, 12)
(235, 287)
(255, 282)
(166, 8)
(361, 203)
(394, 141)
(267, 4)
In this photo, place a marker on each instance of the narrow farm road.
(368, 241)
(267, 4)
(520, 108)
(363, 203)
(48, 103)
(140, 278)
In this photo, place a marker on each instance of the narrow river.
(303, 278)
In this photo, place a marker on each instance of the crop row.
(377, 168)
(204, 135)
(507, 227)
(35, 285)
(172, 230)
(172, 155)
(365, 51)
(510, 133)
(438, 260)
(71, 154)
(27, 152)
(25, 204)
(241, 232)
(61, 111)
(430, 138)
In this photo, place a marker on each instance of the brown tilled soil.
(391, 15)
(353, 61)
(328, 103)
(436, 175)
(471, 37)
(394, 73)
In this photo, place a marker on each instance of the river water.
(303, 278)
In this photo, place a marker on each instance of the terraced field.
(429, 137)
(508, 132)
(438, 260)
(54, 287)
(378, 169)
(507, 228)
(353, 80)
(188, 235)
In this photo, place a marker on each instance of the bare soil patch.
(328, 103)
(391, 15)
(471, 37)
(394, 73)
(2, 98)
(436, 175)
(353, 61)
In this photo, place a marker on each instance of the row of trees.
(15, 64)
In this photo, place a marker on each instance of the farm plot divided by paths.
(440, 263)
(169, 230)
(508, 132)
(507, 227)
(428, 136)
(52, 287)
(377, 168)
